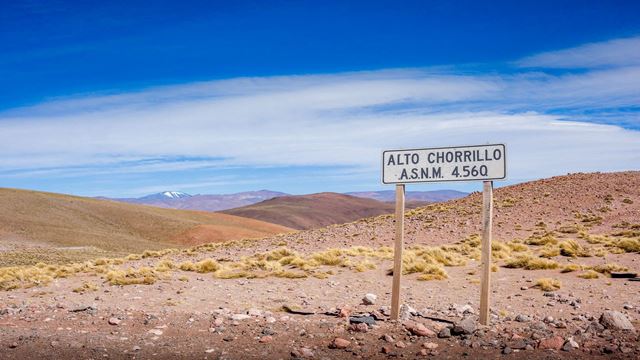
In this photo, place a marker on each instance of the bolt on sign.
(461, 163)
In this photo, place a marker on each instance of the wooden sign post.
(397, 253)
(485, 282)
(463, 163)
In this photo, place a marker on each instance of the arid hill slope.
(313, 211)
(592, 202)
(36, 219)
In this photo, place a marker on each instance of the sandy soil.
(192, 315)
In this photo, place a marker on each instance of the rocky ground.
(340, 310)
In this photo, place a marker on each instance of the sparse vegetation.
(141, 276)
(548, 284)
(570, 268)
(608, 268)
(528, 262)
(572, 248)
(589, 274)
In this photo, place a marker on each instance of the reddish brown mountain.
(312, 211)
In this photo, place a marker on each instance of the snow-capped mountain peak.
(175, 194)
(165, 195)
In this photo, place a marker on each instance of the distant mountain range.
(421, 196)
(219, 202)
(214, 202)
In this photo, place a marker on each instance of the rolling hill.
(76, 227)
(312, 211)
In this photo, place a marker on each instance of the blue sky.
(124, 99)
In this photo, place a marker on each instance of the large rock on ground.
(554, 343)
(466, 326)
(616, 320)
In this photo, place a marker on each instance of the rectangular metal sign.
(462, 163)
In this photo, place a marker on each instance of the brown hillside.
(598, 203)
(313, 211)
(81, 227)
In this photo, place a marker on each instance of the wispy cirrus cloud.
(552, 123)
(612, 53)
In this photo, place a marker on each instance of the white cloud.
(328, 120)
(617, 52)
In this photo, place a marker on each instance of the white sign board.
(463, 163)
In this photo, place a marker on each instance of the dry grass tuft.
(571, 268)
(589, 275)
(141, 276)
(433, 272)
(541, 240)
(530, 263)
(86, 287)
(548, 284)
(607, 269)
(573, 249)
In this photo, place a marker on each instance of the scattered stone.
(522, 318)
(430, 345)
(387, 338)
(266, 339)
(554, 343)
(360, 327)
(609, 349)
(13, 345)
(369, 320)
(268, 331)
(401, 345)
(340, 343)
(406, 312)
(419, 329)
(270, 320)
(386, 349)
(240, 317)
(616, 320)
(507, 350)
(114, 321)
(254, 312)
(445, 333)
(423, 352)
(369, 299)
(88, 308)
(156, 332)
(306, 352)
(467, 326)
(627, 306)
(136, 348)
(344, 313)
(570, 344)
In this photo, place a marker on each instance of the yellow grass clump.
(530, 263)
(141, 276)
(608, 268)
(571, 268)
(589, 275)
(548, 251)
(572, 248)
(207, 266)
(433, 272)
(629, 245)
(85, 288)
(541, 240)
(548, 284)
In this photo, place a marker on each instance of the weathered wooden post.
(485, 282)
(397, 253)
